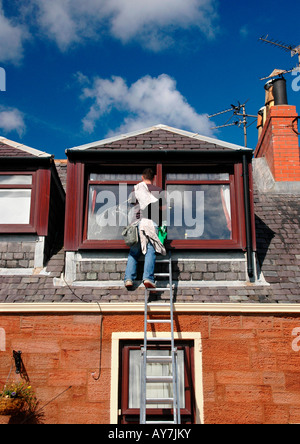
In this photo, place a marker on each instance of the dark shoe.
(128, 284)
(149, 284)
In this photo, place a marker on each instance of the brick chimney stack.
(279, 142)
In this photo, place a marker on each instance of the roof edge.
(129, 307)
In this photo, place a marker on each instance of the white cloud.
(11, 119)
(154, 24)
(12, 37)
(56, 19)
(151, 22)
(147, 102)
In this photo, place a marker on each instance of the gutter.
(134, 307)
(156, 151)
(27, 158)
(249, 245)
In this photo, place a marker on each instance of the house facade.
(233, 233)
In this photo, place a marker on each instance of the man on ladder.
(148, 201)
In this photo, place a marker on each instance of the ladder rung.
(159, 359)
(158, 339)
(163, 261)
(159, 379)
(159, 321)
(162, 274)
(158, 304)
(158, 289)
(160, 422)
(159, 400)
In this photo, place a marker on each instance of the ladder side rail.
(144, 367)
(173, 350)
(176, 402)
(177, 390)
(173, 358)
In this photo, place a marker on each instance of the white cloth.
(143, 195)
(147, 231)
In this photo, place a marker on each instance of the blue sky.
(77, 72)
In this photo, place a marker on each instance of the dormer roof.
(159, 138)
(11, 149)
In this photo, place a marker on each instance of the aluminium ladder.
(169, 361)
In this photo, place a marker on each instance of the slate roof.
(159, 137)
(9, 148)
(277, 229)
(278, 240)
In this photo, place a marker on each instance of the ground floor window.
(130, 372)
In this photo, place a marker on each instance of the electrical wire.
(35, 413)
(101, 330)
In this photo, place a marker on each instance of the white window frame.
(115, 366)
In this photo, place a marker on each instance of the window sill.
(17, 229)
(60, 282)
(174, 245)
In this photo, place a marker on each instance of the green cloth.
(162, 233)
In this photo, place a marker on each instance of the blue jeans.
(133, 257)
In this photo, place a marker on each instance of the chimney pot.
(279, 91)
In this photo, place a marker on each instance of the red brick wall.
(251, 364)
(279, 144)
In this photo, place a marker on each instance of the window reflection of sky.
(206, 207)
(15, 206)
(193, 211)
(108, 211)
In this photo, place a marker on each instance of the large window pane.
(15, 207)
(108, 211)
(154, 390)
(199, 212)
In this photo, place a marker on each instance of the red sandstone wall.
(251, 374)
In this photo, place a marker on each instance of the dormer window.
(16, 192)
(199, 205)
(203, 180)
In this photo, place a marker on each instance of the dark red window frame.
(235, 241)
(130, 415)
(40, 198)
(77, 203)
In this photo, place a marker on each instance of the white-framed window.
(15, 198)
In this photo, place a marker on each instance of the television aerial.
(238, 111)
(294, 50)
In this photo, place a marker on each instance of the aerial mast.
(242, 121)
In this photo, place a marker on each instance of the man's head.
(148, 175)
